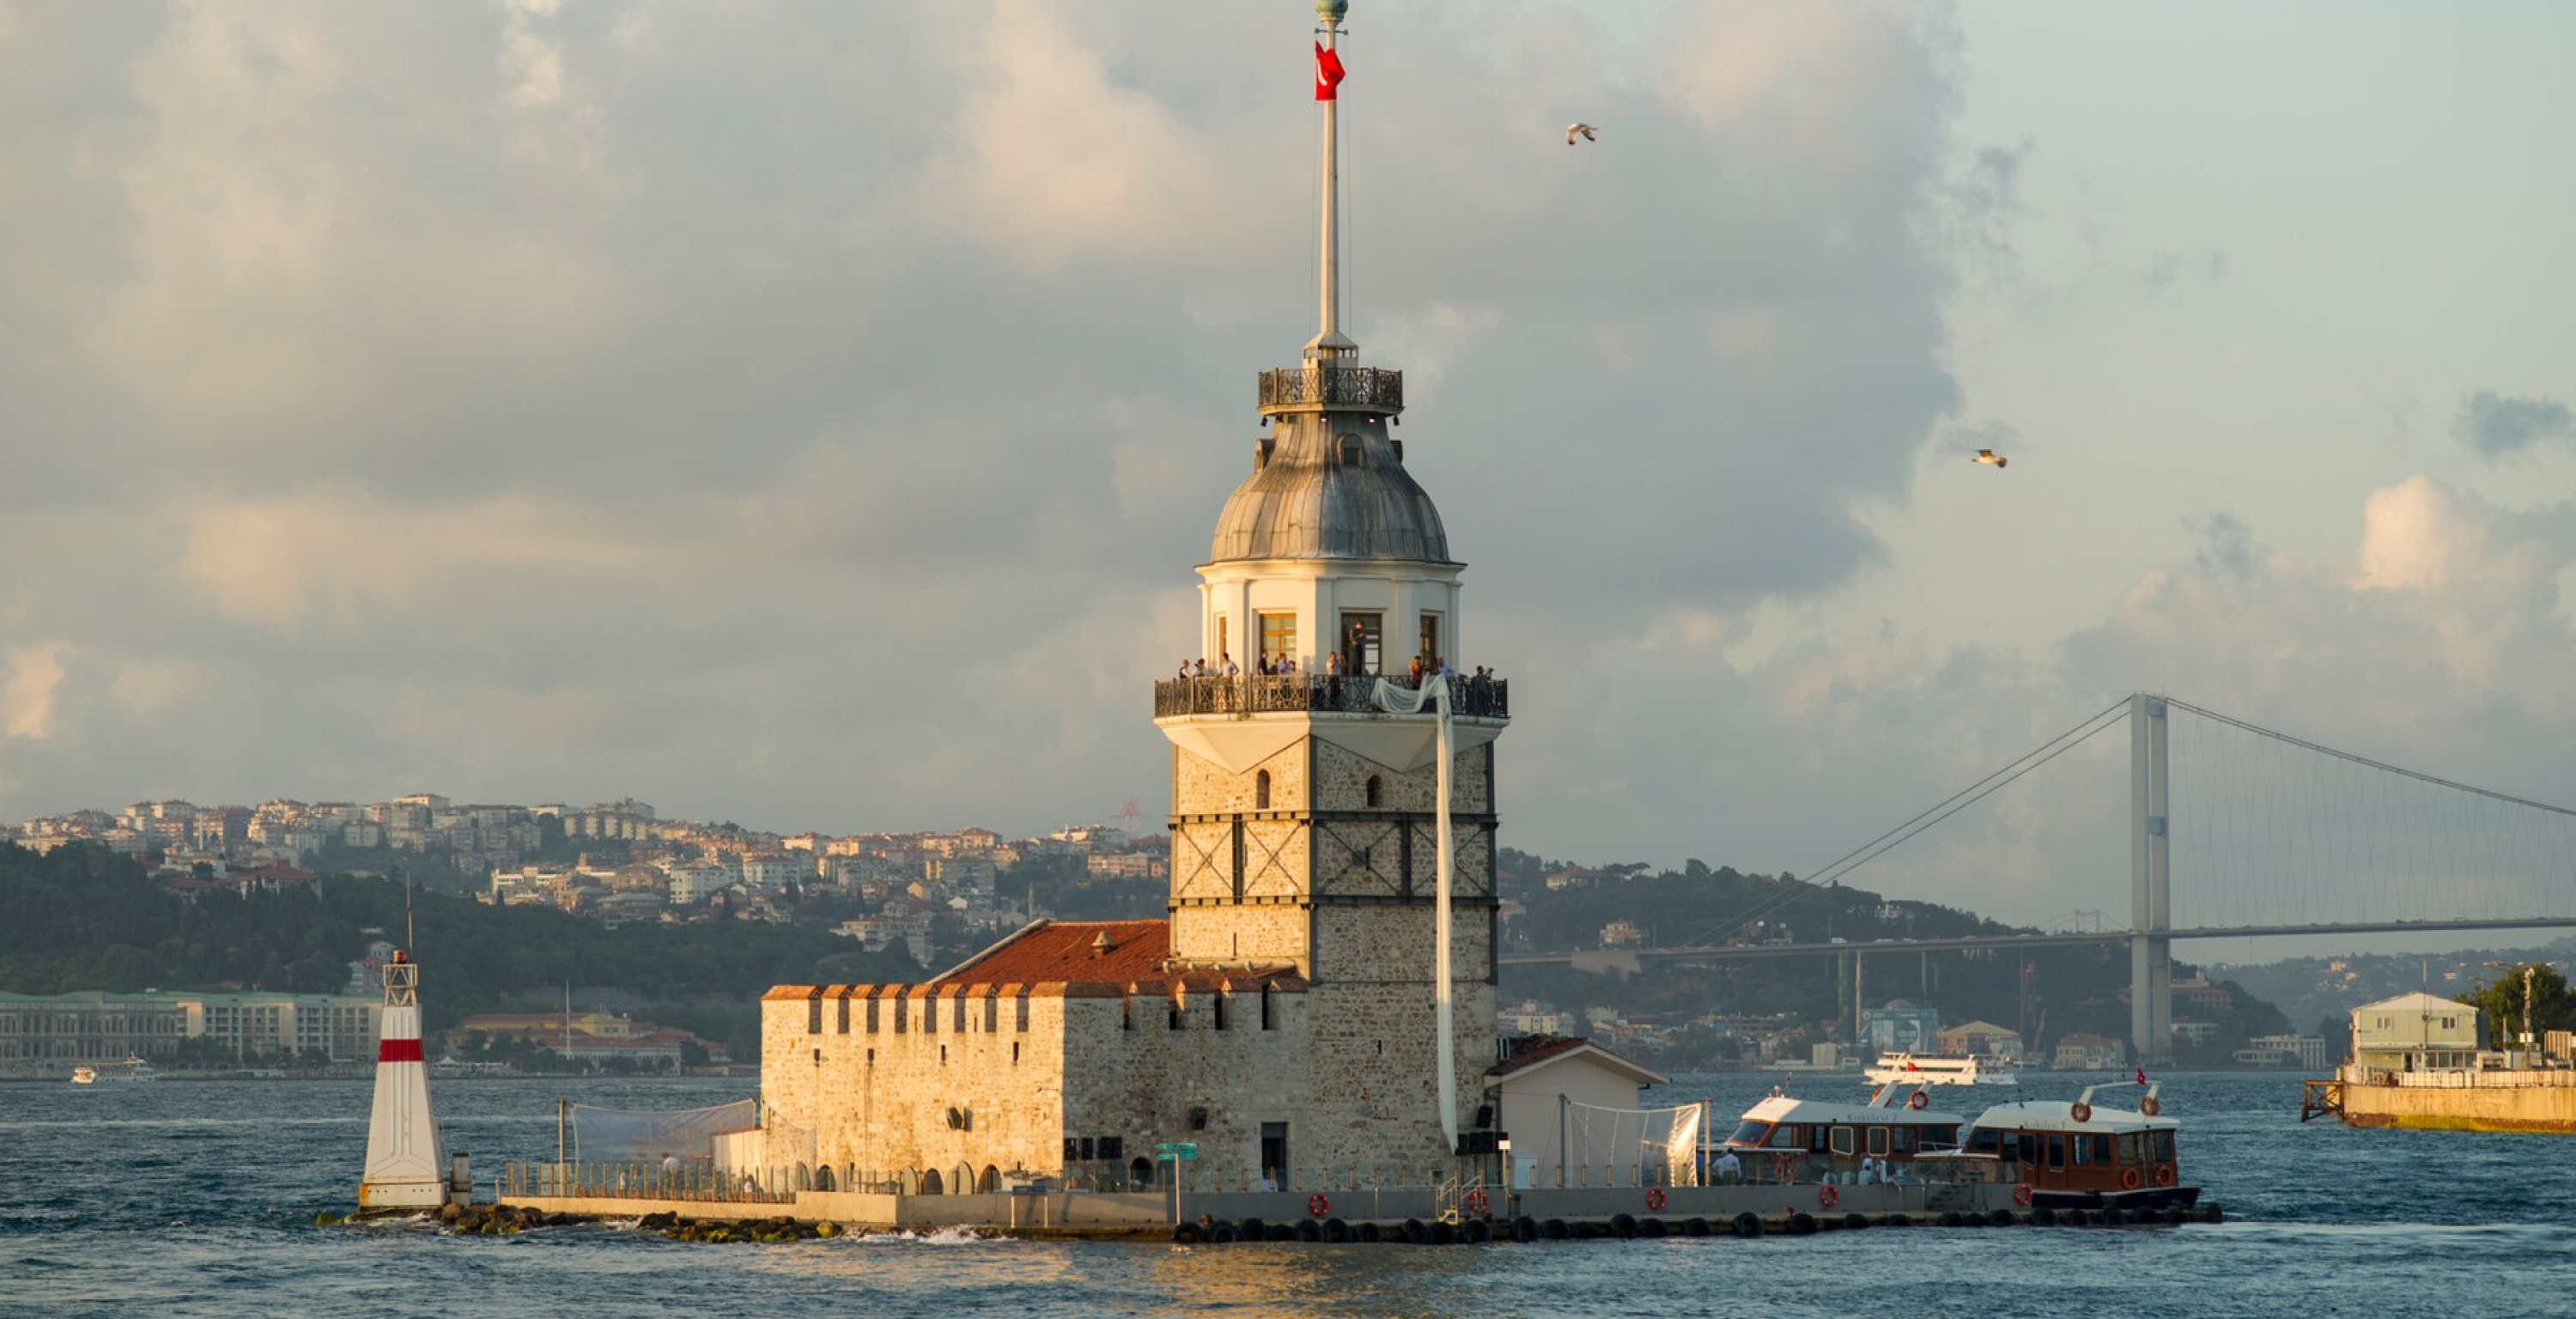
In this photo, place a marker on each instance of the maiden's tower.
(1287, 1018)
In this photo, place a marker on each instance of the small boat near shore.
(2073, 1155)
(1943, 1070)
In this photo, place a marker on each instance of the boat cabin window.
(2163, 1142)
(2101, 1147)
(1751, 1133)
(2133, 1147)
(1788, 1137)
(1901, 1140)
(2057, 1151)
(1816, 1138)
(1984, 1142)
(1842, 1142)
(1878, 1140)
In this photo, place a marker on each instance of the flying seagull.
(1581, 130)
(1991, 458)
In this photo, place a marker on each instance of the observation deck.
(1317, 693)
(1322, 386)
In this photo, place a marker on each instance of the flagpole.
(1330, 343)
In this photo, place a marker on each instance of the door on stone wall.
(1274, 1154)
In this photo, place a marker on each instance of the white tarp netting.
(618, 1135)
(1662, 1144)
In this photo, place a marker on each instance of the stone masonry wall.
(877, 1101)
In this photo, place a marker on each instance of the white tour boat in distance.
(132, 1069)
(1901, 1067)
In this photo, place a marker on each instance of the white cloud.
(29, 681)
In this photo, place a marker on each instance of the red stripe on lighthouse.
(398, 1051)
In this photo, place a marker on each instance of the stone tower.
(1302, 812)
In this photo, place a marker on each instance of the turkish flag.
(1328, 72)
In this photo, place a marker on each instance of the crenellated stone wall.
(876, 1096)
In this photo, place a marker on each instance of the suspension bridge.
(2275, 835)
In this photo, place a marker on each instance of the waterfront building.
(1285, 1018)
(1900, 1027)
(1983, 1039)
(2414, 1033)
(50, 1034)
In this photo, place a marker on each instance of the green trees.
(2552, 1004)
(82, 917)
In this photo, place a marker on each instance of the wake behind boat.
(1929, 1070)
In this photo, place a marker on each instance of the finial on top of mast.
(1331, 11)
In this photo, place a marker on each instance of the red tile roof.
(1046, 952)
(1061, 958)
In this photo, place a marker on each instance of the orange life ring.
(2164, 1174)
(1920, 1100)
(1318, 1205)
(1827, 1196)
(1476, 1200)
(2129, 1179)
(1654, 1197)
(2149, 1106)
(2080, 1111)
(2021, 1195)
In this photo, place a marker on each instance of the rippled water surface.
(196, 1198)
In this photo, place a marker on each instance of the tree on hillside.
(2537, 985)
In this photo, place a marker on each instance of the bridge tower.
(1303, 815)
(2150, 882)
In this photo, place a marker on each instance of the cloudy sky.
(809, 414)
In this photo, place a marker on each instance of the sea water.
(197, 1198)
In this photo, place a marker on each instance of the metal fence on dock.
(689, 1179)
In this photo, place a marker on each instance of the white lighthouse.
(404, 1167)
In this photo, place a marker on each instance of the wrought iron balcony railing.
(1352, 386)
(1323, 693)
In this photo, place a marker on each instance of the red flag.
(2142, 1076)
(1328, 72)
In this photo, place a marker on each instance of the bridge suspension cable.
(1833, 871)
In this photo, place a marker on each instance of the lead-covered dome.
(1319, 493)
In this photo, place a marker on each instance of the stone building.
(1284, 1018)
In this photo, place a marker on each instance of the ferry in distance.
(132, 1069)
(1896, 1067)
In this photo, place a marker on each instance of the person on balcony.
(1226, 665)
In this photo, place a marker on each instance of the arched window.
(1350, 451)
(1375, 790)
(1261, 791)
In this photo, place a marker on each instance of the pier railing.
(692, 1179)
(1326, 693)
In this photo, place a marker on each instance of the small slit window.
(1261, 791)
(1217, 1001)
(1268, 1021)
(1350, 451)
(814, 1013)
(845, 1013)
(1376, 790)
(1177, 1012)
(872, 1014)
